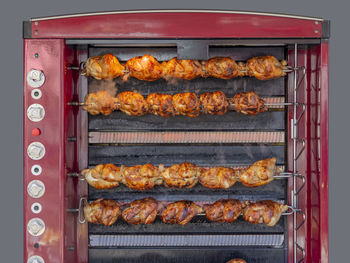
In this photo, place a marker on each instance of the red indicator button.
(36, 132)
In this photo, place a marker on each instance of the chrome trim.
(173, 11)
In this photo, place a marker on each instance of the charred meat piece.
(103, 176)
(248, 103)
(217, 177)
(143, 68)
(187, 104)
(180, 175)
(141, 177)
(161, 104)
(180, 212)
(143, 211)
(266, 67)
(103, 67)
(259, 173)
(132, 103)
(182, 69)
(223, 68)
(264, 212)
(100, 102)
(224, 210)
(214, 103)
(101, 211)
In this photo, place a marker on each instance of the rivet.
(316, 22)
(316, 31)
(36, 23)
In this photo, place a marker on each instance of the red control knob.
(36, 132)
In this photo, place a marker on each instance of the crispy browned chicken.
(161, 104)
(182, 69)
(264, 212)
(180, 212)
(265, 67)
(217, 177)
(187, 104)
(259, 173)
(143, 68)
(103, 67)
(223, 68)
(100, 102)
(132, 103)
(224, 210)
(214, 103)
(180, 175)
(248, 103)
(236, 260)
(143, 211)
(141, 177)
(101, 211)
(103, 176)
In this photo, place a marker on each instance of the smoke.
(105, 85)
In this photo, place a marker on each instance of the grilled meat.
(141, 177)
(266, 67)
(182, 69)
(236, 260)
(224, 210)
(264, 212)
(259, 173)
(180, 212)
(217, 177)
(143, 211)
(101, 211)
(103, 176)
(132, 103)
(100, 102)
(248, 103)
(180, 175)
(187, 104)
(103, 67)
(214, 103)
(223, 68)
(143, 68)
(161, 104)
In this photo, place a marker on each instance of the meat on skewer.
(182, 69)
(180, 212)
(103, 176)
(161, 104)
(224, 210)
(187, 104)
(143, 211)
(102, 211)
(141, 177)
(132, 103)
(223, 68)
(217, 177)
(265, 67)
(214, 103)
(259, 173)
(143, 68)
(100, 102)
(248, 103)
(236, 260)
(184, 175)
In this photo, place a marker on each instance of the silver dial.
(36, 226)
(35, 259)
(36, 188)
(35, 78)
(36, 112)
(36, 150)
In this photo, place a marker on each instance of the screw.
(316, 22)
(316, 31)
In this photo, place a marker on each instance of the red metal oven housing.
(56, 133)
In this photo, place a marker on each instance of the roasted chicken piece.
(161, 104)
(103, 67)
(103, 176)
(223, 68)
(141, 177)
(266, 67)
(236, 260)
(143, 68)
(248, 103)
(214, 103)
(143, 211)
(182, 69)
(100, 102)
(180, 212)
(217, 177)
(259, 173)
(132, 103)
(187, 104)
(264, 212)
(224, 210)
(102, 212)
(180, 175)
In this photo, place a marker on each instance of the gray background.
(15, 11)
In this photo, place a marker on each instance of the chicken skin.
(143, 211)
(236, 260)
(182, 69)
(265, 67)
(101, 211)
(223, 68)
(141, 177)
(161, 104)
(248, 103)
(217, 177)
(180, 175)
(180, 212)
(224, 210)
(143, 68)
(187, 104)
(132, 103)
(264, 212)
(100, 102)
(103, 176)
(214, 103)
(103, 67)
(259, 173)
